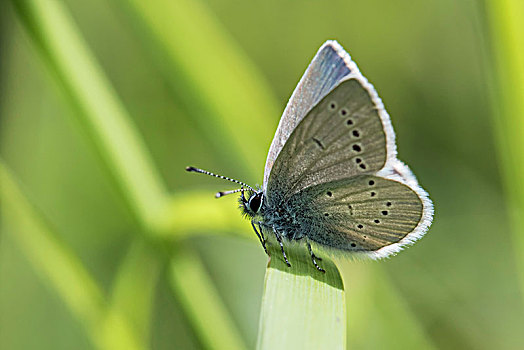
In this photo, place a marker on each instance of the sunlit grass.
(215, 83)
(59, 267)
(506, 21)
(302, 308)
(121, 150)
(201, 302)
(99, 112)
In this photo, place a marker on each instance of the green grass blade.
(134, 287)
(302, 308)
(199, 298)
(61, 269)
(219, 87)
(98, 110)
(506, 21)
(381, 313)
(113, 136)
(197, 211)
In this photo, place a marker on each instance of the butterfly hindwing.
(364, 213)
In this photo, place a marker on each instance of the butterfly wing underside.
(338, 170)
(329, 66)
(341, 137)
(363, 214)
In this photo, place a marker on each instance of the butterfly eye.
(254, 202)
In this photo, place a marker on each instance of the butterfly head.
(252, 204)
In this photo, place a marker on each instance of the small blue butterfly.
(332, 178)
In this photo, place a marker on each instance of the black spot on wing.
(319, 143)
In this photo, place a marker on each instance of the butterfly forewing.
(363, 213)
(341, 137)
(329, 66)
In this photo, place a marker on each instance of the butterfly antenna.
(224, 193)
(196, 170)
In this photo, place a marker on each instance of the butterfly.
(332, 177)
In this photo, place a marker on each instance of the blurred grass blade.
(113, 135)
(302, 308)
(506, 22)
(201, 302)
(212, 217)
(57, 265)
(221, 90)
(134, 287)
(382, 315)
(98, 109)
(60, 268)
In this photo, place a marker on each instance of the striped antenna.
(196, 170)
(224, 193)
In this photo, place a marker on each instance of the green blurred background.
(204, 83)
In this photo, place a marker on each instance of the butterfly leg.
(314, 258)
(279, 239)
(260, 235)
